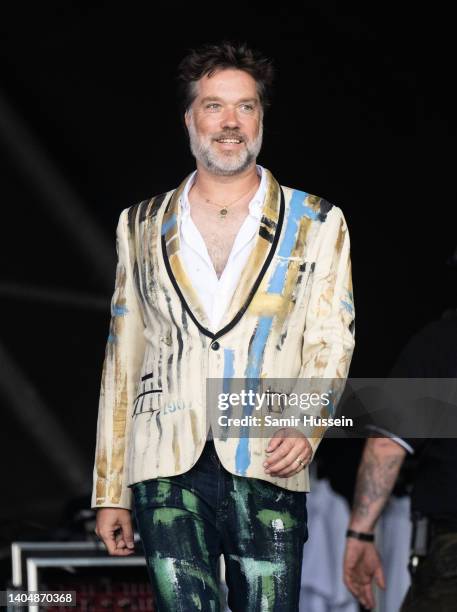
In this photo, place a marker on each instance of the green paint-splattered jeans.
(186, 522)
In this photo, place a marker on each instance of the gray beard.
(224, 165)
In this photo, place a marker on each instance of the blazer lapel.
(260, 257)
(258, 262)
(171, 245)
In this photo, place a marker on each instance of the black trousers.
(434, 584)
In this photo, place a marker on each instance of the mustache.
(236, 135)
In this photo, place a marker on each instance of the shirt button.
(215, 345)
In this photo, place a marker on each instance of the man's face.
(228, 108)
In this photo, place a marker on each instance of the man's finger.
(280, 452)
(289, 463)
(127, 533)
(367, 597)
(297, 450)
(120, 544)
(274, 442)
(282, 462)
(295, 466)
(353, 587)
(109, 541)
(379, 577)
(114, 543)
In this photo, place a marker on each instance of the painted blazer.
(291, 316)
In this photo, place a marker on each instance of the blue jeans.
(186, 522)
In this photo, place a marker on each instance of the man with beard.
(229, 276)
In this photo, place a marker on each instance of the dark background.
(362, 114)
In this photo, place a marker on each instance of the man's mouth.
(229, 140)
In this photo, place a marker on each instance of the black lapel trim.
(259, 278)
(240, 313)
(179, 292)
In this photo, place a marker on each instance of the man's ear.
(186, 119)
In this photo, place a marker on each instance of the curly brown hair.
(210, 57)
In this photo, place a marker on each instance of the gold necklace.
(224, 208)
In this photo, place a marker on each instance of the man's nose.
(230, 118)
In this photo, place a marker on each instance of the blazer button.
(215, 345)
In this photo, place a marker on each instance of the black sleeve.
(429, 354)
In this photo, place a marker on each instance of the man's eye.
(212, 105)
(247, 107)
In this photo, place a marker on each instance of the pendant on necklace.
(223, 212)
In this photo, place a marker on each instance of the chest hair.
(218, 233)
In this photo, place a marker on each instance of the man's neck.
(216, 187)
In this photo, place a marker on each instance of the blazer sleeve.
(120, 374)
(329, 334)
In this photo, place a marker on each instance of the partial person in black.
(431, 353)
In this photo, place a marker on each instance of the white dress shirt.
(215, 293)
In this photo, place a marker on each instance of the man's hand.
(286, 447)
(362, 563)
(114, 527)
(376, 476)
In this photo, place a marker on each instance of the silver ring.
(299, 461)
